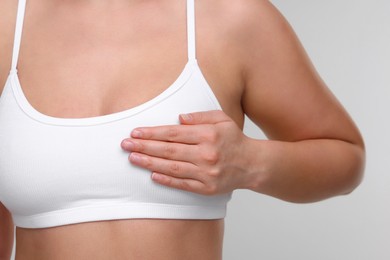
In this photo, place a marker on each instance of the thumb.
(205, 117)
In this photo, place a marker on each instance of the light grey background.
(349, 43)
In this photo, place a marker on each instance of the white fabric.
(58, 171)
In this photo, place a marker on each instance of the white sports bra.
(58, 171)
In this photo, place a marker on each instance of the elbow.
(355, 173)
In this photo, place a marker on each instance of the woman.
(106, 153)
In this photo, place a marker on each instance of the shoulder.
(246, 16)
(250, 27)
(258, 25)
(7, 28)
(235, 37)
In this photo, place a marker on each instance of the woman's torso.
(140, 67)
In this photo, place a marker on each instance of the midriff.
(140, 239)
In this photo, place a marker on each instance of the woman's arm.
(315, 151)
(6, 233)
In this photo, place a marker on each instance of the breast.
(57, 171)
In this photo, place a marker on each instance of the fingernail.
(135, 158)
(186, 117)
(136, 134)
(156, 176)
(128, 145)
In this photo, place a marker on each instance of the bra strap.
(18, 33)
(191, 40)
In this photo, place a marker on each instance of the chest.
(88, 63)
(56, 163)
(80, 65)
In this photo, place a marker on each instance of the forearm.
(304, 171)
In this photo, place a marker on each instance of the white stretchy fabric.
(57, 171)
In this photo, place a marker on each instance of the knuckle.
(211, 189)
(148, 163)
(166, 181)
(198, 116)
(211, 135)
(169, 151)
(211, 157)
(174, 168)
(162, 179)
(183, 185)
(173, 133)
(214, 173)
(139, 146)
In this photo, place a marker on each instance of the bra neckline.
(33, 113)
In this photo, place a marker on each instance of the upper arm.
(283, 93)
(8, 10)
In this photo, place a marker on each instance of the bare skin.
(254, 64)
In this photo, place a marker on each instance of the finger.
(168, 167)
(166, 150)
(206, 117)
(186, 134)
(181, 184)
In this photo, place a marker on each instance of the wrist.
(255, 163)
(264, 162)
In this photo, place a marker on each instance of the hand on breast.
(200, 155)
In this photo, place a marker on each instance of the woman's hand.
(203, 155)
